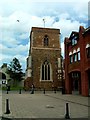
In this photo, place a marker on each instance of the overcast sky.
(14, 35)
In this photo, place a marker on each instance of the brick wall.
(40, 53)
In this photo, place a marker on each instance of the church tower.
(44, 60)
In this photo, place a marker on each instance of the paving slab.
(39, 105)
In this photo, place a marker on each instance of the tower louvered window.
(46, 41)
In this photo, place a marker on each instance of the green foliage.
(15, 71)
(16, 88)
(12, 88)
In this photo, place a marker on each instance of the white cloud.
(62, 49)
(14, 35)
(20, 49)
(24, 36)
(65, 15)
(66, 26)
(9, 41)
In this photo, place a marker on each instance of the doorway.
(76, 82)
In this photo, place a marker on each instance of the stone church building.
(44, 59)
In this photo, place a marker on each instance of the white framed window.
(75, 57)
(70, 53)
(78, 55)
(71, 58)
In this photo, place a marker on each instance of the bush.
(13, 88)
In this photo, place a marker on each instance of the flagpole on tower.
(44, 22)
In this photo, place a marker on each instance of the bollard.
(7, 107)
(54, 90)
(7, 91)
(44, 91)
(67, 112)
(20, 91)
(32, 91)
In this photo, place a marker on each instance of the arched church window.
(46, 40)
(46, 70)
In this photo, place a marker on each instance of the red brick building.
(77, 62)
(44, 59)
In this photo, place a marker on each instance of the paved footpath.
(48, 105)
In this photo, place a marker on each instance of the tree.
(15, 71)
